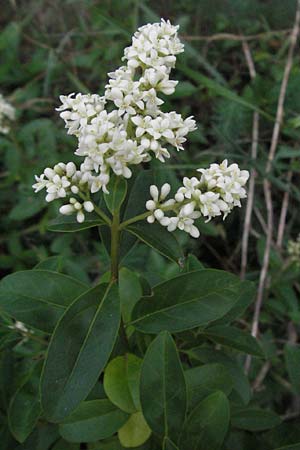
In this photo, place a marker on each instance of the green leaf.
(207, 425)
(38, 297)
(121, 382)
(79, 349)
(234, 338)
(240, 381)
(163, 388)
(247, 293)
(25, 409)
(204, 380)
(69, 224)
(53, 263)
(292, 362)
(130, 292)
(187, 301)
(158, 238)
(135, 431)
(254, 419)
(117, 188)
(169, 445)
(91, 421)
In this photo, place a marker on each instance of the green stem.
(114, 272)
(114, 249)
(134, 219)
(101, 214)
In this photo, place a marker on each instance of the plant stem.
(135, 219)
(114, 249)
(102, 215)
(114, 272)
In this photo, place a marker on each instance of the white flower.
(77, 111)
(7, 114)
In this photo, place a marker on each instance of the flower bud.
(66, 210)
(88, 206)
(165, 190)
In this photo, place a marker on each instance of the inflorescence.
(126, 127)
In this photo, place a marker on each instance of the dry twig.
(283, 212)
(236, 37)
(267, 184)
(249, 207)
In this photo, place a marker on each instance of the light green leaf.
(69, 224)
(91, 421)
(190, 300)
(292, 362)
(204, 380)
(25, 408)
(234, 338)
(79, 349)
(254, 419)
(38, 297)
(121, 382)
(135, 431)
(207, 425)
(158, 238)
(163, 388)
(117, 188)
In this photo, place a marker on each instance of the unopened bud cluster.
(218, 190)
(7, 114)
(133, 128)
(293, 249)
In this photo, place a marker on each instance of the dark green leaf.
(158, 238)
(240, 381)
(69, 224)
(130, 292)
(25, 409)
(162, 388)
(234, 338)
(204, 380)
(207, 425)
(169, 445)
(254, 419)
(190, 300)
(38, 297)
(292, 361)
(91, 421)
(79, 349)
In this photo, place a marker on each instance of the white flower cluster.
(132, 130)
(7, 114)
(218, 190)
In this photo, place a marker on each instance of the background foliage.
(48, 48)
